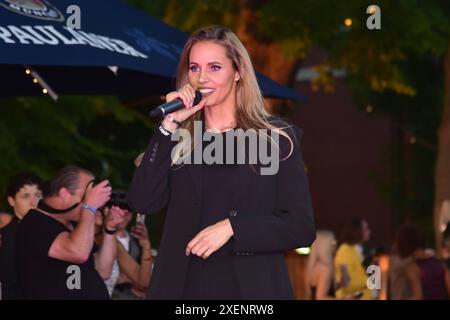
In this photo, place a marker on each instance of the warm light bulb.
(44, 91)
(348, 22)
(35, 80)
(303, 251)
(27, 71)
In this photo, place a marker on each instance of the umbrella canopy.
(117, 50)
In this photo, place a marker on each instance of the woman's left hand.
(210, 239)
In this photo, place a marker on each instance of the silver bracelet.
(162, 128)
(178, 123)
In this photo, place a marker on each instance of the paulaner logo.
(39, 9)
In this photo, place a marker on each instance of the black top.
(432, 278)
(8, 265)
(214, 278)
(43, 277)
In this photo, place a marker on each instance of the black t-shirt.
(43, 277)
(8, 266)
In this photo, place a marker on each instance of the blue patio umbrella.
(117, 50)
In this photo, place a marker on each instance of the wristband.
(162, 128)
(110, 231)
(88, 207)
(178, 123)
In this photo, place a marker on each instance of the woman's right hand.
(187, 94)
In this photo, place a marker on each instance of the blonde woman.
(227, 224)
(320, 269)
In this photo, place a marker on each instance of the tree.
(42, 136)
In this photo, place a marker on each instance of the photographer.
(131, 272)
(57, 260)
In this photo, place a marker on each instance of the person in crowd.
(427, 276)
(398, 286)
(320, 268)
(446, 245)
(57, 259)
(397, 281)
(23, 194)
(349, 258)
(129, 278)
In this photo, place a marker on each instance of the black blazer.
(269, 215)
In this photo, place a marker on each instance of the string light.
(412, 140)
(37, 79)
(348, 22)
(369, 109)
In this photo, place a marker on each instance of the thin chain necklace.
(225, 129)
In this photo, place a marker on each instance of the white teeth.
(205, 91)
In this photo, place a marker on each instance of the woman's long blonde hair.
(250, 109)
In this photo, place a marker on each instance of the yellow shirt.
(348, 258)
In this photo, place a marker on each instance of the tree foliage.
(42, 136)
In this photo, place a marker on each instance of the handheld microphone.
(173, 106)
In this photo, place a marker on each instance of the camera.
(118, 199)
(96, 181)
